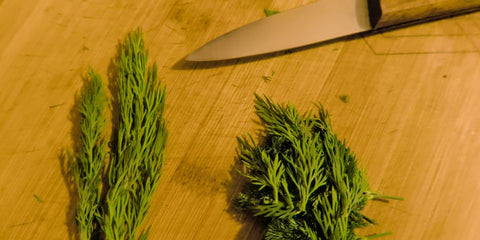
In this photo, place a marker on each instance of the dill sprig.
(88, 162)
(302, 178)
(137, 150)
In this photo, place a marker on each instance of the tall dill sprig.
(139, 141)
(303, 179)
(88, 162)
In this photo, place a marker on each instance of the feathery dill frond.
(88, 163)
(137, 159)
(302, 178)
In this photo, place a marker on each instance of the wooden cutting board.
(413, 115)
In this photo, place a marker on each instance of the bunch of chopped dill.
(302, 179)
(136, 150)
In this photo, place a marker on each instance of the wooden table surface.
(413, 115)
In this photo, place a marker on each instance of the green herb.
(269, 12)
(375, 236)
(136, 151)
(137, 158)
(37, 198)
(344, 98)
(88, 163)
(268, 78)
(302, 179)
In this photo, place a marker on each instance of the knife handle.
(385, 13)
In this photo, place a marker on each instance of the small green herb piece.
(269, 12)
(302, 179)
(268, 78)
(37, 198)
(88, 163)
(344, 98)
(137, 159)
(375, 236)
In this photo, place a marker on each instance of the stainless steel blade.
(315, 22)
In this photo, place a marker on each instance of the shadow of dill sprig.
(302, 178)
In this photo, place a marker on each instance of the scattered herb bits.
(40, 200)
(269, 12)
(302, 179)
(344, 98)
(268, 78)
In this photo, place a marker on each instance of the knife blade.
(325, 20)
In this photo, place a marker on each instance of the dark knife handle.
(387, 13)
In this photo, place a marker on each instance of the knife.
(325, 20)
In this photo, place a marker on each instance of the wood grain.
(413, 117)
